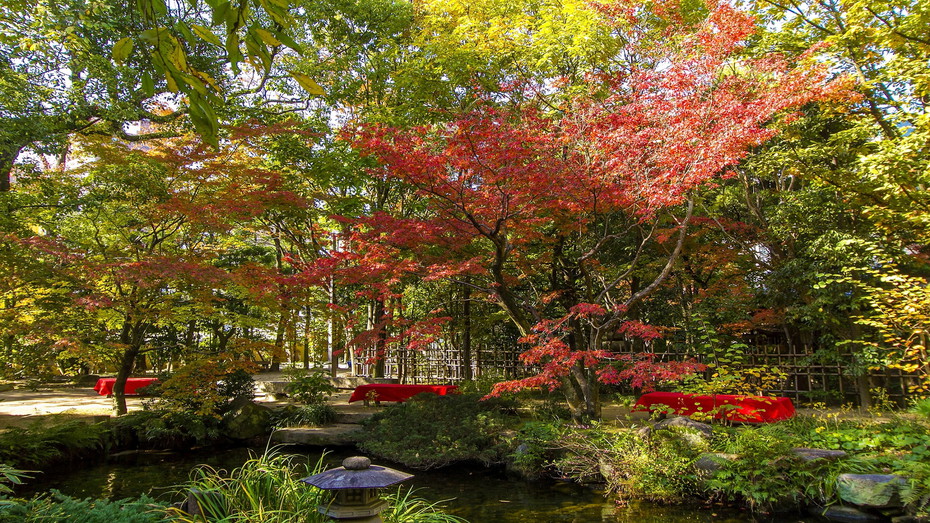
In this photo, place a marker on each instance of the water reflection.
(475, 493)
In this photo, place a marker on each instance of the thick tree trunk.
(582, 394)
(131, 338)
(381, 340)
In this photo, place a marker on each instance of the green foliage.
(265, 488)
(313, 414)
(309, 388)
(725, 379)
(10, 476)
(656, 468)
(922, 408)
(432, 431)
(164, 429)
(537, 446)
(917, 493)
(59, 508)
(483, 383)
(765, 473)
(206, 387)
(44, 443)
(405, 507)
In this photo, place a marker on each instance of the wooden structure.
(810, 375)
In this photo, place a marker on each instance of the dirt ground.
(23, 406)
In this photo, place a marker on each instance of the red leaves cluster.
(643, 373)
(495, 183)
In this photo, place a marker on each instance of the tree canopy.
(288, 180)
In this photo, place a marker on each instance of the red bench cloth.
(396, 392)
(747, 409)
(104, 386)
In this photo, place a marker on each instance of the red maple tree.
(549, 216)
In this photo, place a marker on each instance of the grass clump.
(267, 489)
(312, 415)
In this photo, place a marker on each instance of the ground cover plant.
(754, 466)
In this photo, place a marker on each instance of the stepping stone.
(813, 454)
(337, 435)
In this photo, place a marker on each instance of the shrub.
(432, 431)
(58, 508)
(206, 387)
(309, 388)
(656, 468)
(537, 446)
(164, 429)
(45, 442)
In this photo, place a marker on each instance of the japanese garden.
(451, 260)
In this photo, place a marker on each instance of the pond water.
(474, 493)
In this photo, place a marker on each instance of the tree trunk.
(331, 332)
(381, 340)
(278, 343)
(306, 354)
(466, 333)
(131, 338)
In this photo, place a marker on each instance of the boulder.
(871, 490)
(247, 421)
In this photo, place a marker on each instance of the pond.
(472, 492)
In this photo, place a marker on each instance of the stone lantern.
(356, 484)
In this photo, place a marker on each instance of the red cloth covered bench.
(397, 392)
(745, 409)
(104, 386)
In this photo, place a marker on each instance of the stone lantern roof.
(357, 473)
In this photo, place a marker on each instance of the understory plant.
(163, 429)
(431, 431)
(56, 507)
(265, 488)
(53, 440)
(655, 467)
(314, 415)
(405, 507)
(309, 387)
(311, 390)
